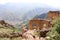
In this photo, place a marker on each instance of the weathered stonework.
(53, 14)
(39, 24)
(44, 25)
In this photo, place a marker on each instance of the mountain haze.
(21, 12)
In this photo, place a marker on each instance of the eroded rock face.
(29, 35)
(2, 22)
(29, 32)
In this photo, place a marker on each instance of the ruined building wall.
(34, 23)
(53, 14)
(39, 24)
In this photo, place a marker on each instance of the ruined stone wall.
(39, 24)
(32, 23)
(53, 14)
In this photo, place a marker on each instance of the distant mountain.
(37, 11)
(22, 12)
(42, 16)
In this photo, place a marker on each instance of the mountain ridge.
(22, 12)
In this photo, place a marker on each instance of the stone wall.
(53, 14)
(39, 24)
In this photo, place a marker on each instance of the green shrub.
(54, 34)
(37, 33)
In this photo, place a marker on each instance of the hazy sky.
(53, 3)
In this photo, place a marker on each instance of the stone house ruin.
(44, 25)
(39, 23)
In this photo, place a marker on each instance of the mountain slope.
(36, 11)
(21, 12)
(42, 16)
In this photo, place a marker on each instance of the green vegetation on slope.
(6, 33)
(54, 34)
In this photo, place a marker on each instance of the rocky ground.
(32, 35)
(7, 33)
